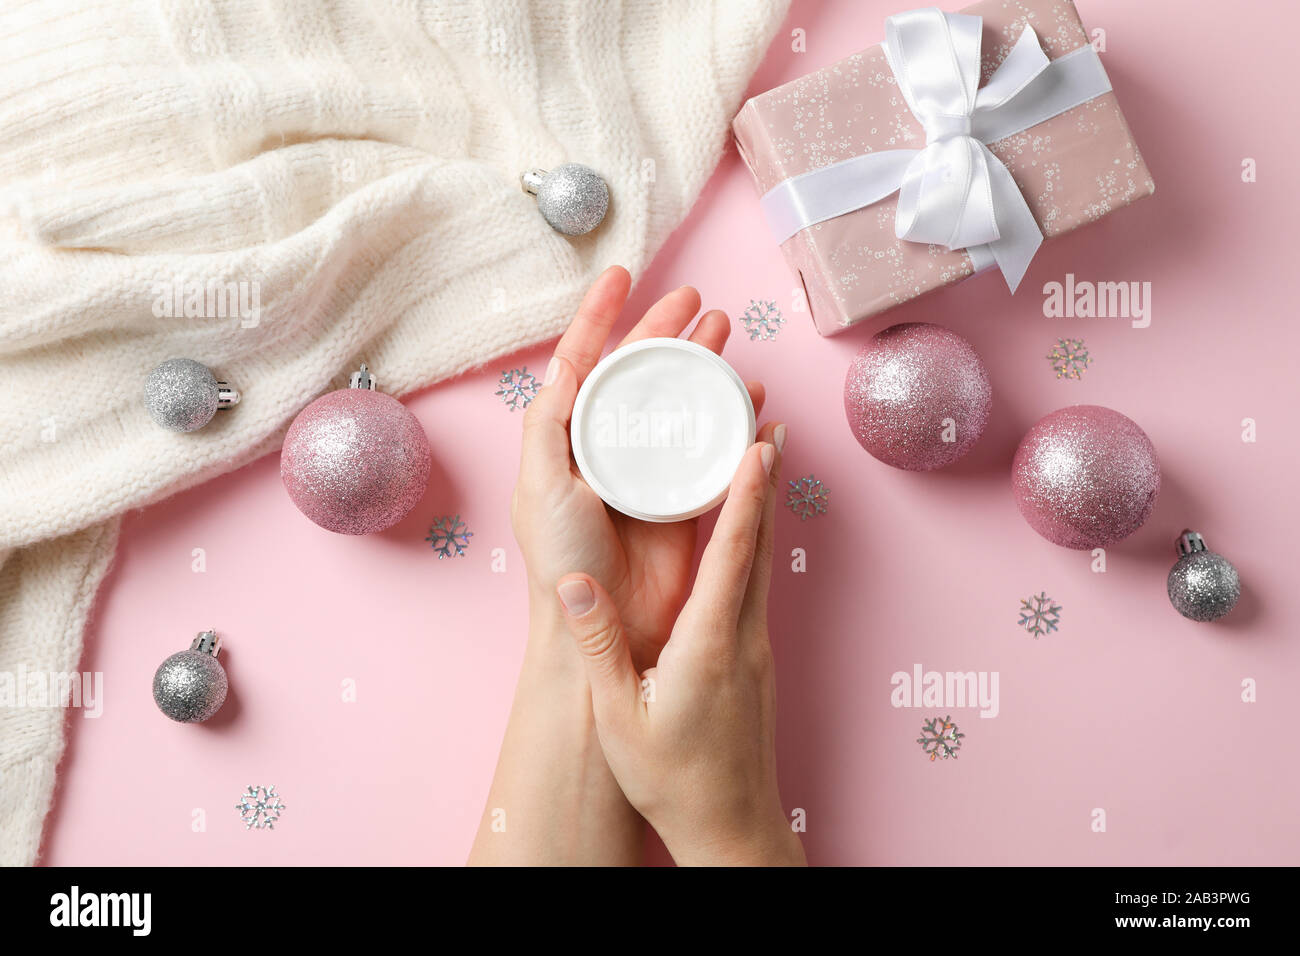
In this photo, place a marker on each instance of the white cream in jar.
(659, 428)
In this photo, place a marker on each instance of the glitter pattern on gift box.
(940, 738)
(1072, 169)
(517, 388)
(449, 536)
(1039, 614)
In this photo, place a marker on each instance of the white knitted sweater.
(355, 163)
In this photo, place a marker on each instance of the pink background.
(1128, 707)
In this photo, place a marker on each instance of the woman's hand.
(553, 798)
(692, 744)
(560, 523)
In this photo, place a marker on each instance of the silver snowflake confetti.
(1039, 615)
(762, 320)
(807, 497)
(517, 388)
(940, 738)
(1069, 358)
(449, 536)
(260, 807)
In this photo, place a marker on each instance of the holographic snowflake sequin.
(807, 497)
(259, 807)
(1069, 358)
(449, 536)
(517, 388)
(1039, 615)
(762, 320)
(940, 738)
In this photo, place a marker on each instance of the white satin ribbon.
(954, 192)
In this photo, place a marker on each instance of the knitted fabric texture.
(281, 189)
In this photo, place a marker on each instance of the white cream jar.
(659, 428)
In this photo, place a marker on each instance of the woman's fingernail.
(577, 597)
(766, 456)
(778, 436)
(552, 372)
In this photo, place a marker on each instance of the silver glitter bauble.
(572, 198)
(191, 686)
(1203, 586)
(183, 395)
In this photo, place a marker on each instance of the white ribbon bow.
(954, 192)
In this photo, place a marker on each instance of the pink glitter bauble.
(917, 396)
(1085, 476)
(355, 461)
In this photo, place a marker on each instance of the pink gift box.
(1072, 169)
